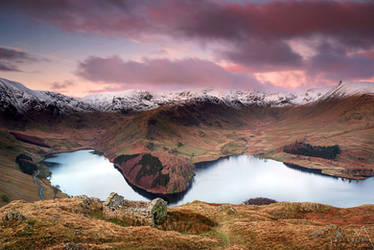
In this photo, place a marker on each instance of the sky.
(81, 47)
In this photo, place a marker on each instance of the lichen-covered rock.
(228, 209)
(73, 246)
(135, 213)
(114, 200)
(13, 218)
(158, 210)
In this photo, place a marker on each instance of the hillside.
(79, 223)
(203, 127)
(15, 96)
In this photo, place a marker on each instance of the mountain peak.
(15, 96)
(350, 89)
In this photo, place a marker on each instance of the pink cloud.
(253, 35)
(191, 72)
(57, 86)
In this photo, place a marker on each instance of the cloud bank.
(164, 72)
(326, 40)
(11, 58)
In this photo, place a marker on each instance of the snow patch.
(15, 95)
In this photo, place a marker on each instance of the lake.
(230, 180)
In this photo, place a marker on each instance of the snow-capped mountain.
(144, 100)
(349, 89)
(16, 97)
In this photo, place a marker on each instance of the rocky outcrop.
(12, 218)
(159, 173)
(114, 200)
(135, 213)
(158, 210)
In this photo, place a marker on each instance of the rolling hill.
(187, 126)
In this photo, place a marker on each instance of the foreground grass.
(56, 224)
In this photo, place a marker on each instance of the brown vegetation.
(30, 139)
(215, 131)
(147, 172)
(78, 222)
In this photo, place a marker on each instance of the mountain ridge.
(15, 96)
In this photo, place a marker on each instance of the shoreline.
(173, 198)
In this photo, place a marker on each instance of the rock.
(114, 200)
(158, 209)
(135, 213)
(320, 233)
(13, 217)
(228, 209)
(339, 235)
(73, 246)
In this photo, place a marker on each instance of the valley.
(180, 124)
(200, 129)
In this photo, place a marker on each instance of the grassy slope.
(197, 225)
(202, 133)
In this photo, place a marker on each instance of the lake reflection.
(82, 172)
(231, 180)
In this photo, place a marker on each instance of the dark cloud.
(125, 18)
(62, 85)
(9, 58)
(335, 63)
(207, 19)
(8, 67)
(262, 55)
(255, 35)
(13, 55)
(185, 73)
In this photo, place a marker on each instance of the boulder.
(114, 200)
(73, 246)
(158, 210)
(13, 218)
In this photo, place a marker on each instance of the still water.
(232, 180)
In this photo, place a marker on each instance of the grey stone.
(339, 235)
(319, 233)
(158, 209)
(228, 209)
(114, 200)
(73, 246)
(13, 217)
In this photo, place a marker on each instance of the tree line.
(301, 148)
